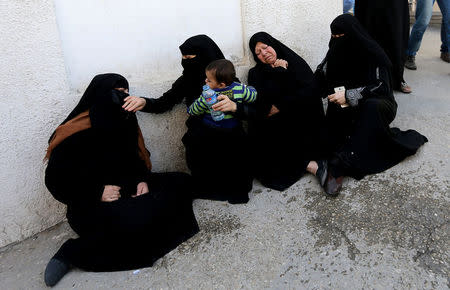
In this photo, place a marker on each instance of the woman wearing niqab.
(126, 217)
(360, 140)
(189, 85)
(202, 144)
(285, 127)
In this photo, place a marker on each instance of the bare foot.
(312, 167)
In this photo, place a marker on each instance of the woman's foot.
(322, 171)
(55, 270)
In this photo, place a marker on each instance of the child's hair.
(223, 70)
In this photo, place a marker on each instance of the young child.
(226, 138)
(220, 76)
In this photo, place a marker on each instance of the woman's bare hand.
(273, 110)
(133, 104)
(224, 104)
(337, 98)
(280, 62)
(111, 193)
(142, 188)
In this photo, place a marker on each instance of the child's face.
(211, 80)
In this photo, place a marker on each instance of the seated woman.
(356, 78)
(285, 127)
(125, 216)
(202, 143)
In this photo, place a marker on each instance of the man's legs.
(348, 5)
(445, 29)
(424, 10)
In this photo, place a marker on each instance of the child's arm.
(249, 94)
(198, 107)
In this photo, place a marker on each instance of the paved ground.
(389, 230)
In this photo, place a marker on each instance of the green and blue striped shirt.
(236, 92)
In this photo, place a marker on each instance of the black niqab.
(188, 86)
(350, 56)
(205, 51)
(99, 90)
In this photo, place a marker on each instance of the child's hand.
(224, 104)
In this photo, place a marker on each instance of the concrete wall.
(34, 99)
(51, 50)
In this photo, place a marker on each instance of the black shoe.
(322, 171)
(55, 270)
(410, 62)
(333, 185)
(445, 56)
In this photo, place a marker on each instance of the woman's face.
(188, 56)
(265, 53)
(122, 90)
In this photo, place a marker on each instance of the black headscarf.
(205, 51)
(296, 64)
(350, 56)
(100, 90)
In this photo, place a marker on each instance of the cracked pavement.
(390, 230)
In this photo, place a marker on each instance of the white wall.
(34, 96)
(50, 52)
(141, 39)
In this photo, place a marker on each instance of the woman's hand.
(337, 98)
(224, 104)
(111, 193)
(133, 104)
(273, 110)
(280, 62)
(142, 188)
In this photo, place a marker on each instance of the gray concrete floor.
(389, 230)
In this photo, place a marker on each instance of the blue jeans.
(424, 11)
(348, 5)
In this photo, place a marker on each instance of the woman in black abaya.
(387, 21)
(203, 143)
(197, 52)
(125, 216)
(359, 137)
(286, 128)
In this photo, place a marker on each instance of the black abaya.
(201, 142)
(132, 231)
(360, 141)
(387, 21)
(284, 143)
